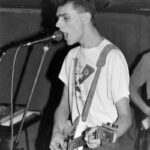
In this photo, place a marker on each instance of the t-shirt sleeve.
(119, 76)
(66, 71)
(64, 74)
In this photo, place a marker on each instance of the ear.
(86, 17)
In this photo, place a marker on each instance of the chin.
(70, 43)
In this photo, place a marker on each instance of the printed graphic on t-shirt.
(80, 76)
(86, 72)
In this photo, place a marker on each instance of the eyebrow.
(62, 15)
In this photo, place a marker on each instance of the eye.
(66, 18)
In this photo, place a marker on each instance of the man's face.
(70, 23)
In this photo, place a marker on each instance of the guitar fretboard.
(75, 143)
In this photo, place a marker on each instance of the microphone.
(56, 36)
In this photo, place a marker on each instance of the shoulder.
(115, 54)
(114, 49)
(146, 57)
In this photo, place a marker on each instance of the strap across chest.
(100, 63)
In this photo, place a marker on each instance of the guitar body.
(75, 139)
(74, 134)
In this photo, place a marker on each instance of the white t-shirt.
(113, 82)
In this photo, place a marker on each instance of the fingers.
(57, 143)
(92, 130)
(60, 146)
(93, 143)
(53, 147)
(90, 138)
(63, 145)
(90, 133)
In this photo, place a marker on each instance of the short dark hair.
(82, 5)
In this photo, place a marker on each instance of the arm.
(60, 117)
(138, 79)
(124, 120)
(62, 112)
(137, 99)
(118, 79)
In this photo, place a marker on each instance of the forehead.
(66, 9)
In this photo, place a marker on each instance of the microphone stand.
(45, 48)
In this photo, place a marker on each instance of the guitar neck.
(75, 143)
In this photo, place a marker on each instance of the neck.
(91, 38)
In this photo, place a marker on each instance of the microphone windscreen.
(58, 35)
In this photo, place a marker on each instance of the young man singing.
(110, 102)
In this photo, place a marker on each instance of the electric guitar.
(106, 133)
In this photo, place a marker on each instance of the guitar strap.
(100, 62)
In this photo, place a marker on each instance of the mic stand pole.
(45, 48)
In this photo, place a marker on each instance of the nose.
(58, 24)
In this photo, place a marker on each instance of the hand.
(90, 139)
(57, 142)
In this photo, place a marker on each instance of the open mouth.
(65, 35)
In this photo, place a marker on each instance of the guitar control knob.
(114, 126)
(108, 123)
